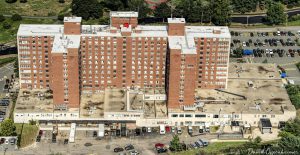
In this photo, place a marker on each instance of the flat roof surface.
(115, 100)
(40, 29)
(63, 42)
(176, 20)
(254, 70)
(37, 101)
(72, 19)
(267, 95)
(29, 101)
(183, 43)
(123, 14)
(92, 105)
(208, 31)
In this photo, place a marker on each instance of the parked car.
(149, 129)
(173, 129)
(134, 152)
(118, 149)
(179, 131)
(161, 150)
(129, 147)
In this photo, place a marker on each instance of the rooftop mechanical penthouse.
(74, 59)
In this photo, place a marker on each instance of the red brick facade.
(122, 61)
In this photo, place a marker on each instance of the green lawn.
(28, 134)
(9, 35)
(35, 7)
(214, 148)
(7, 60)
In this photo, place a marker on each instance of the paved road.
(5, 71)
(35, 17)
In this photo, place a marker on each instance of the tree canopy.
(276, 14)
(162, 11)
(7, 128)
(87, 8)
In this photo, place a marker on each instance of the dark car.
(137, 132)
(2, 140)
(66, 141)
(40, 132)
(129, 147)
(118, 149)
(161, 150)
(95, 134)
(118, 132)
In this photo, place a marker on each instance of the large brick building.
(74, 59)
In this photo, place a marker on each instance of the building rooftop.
(253, 71)
(40, 30)
(92, 105)
(63, 42)
(123, 14)
(184, 43)
(73, 19)
(37, 101)
(253, 92)
(176, 20)
(208, 31)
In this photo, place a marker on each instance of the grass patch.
(7, 60)
(298, 65)
(27, 135)
(213, 148)
(35, 7)
(10, 35)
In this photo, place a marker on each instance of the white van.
(162, 129)
(190, 129)
(179, 131)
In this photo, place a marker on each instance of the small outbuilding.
(265, 125)
(235, 126)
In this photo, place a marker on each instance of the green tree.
(221, 12)
(257, 140)
(61, 1)
(162, 11)
(16, 17)
(243, 6)
(87, 8)
(2, 18)
(104, 21)
(276, 14)
(6, 25)
(114, 5)
(23, 1)
(7, 128)
(175, 143)
(139, 6)
(290, 143)
(61, 17)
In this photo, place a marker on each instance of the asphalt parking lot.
(268, 43)
(145, 145)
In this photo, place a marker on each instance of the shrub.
(23, 1)
(61, 17)
(10, 1)
(6, 25)
(2, 18)
(16, 17)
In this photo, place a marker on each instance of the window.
(188, 115)
(216, 116)
(174, 115)
(200, 115)
(181, 115)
